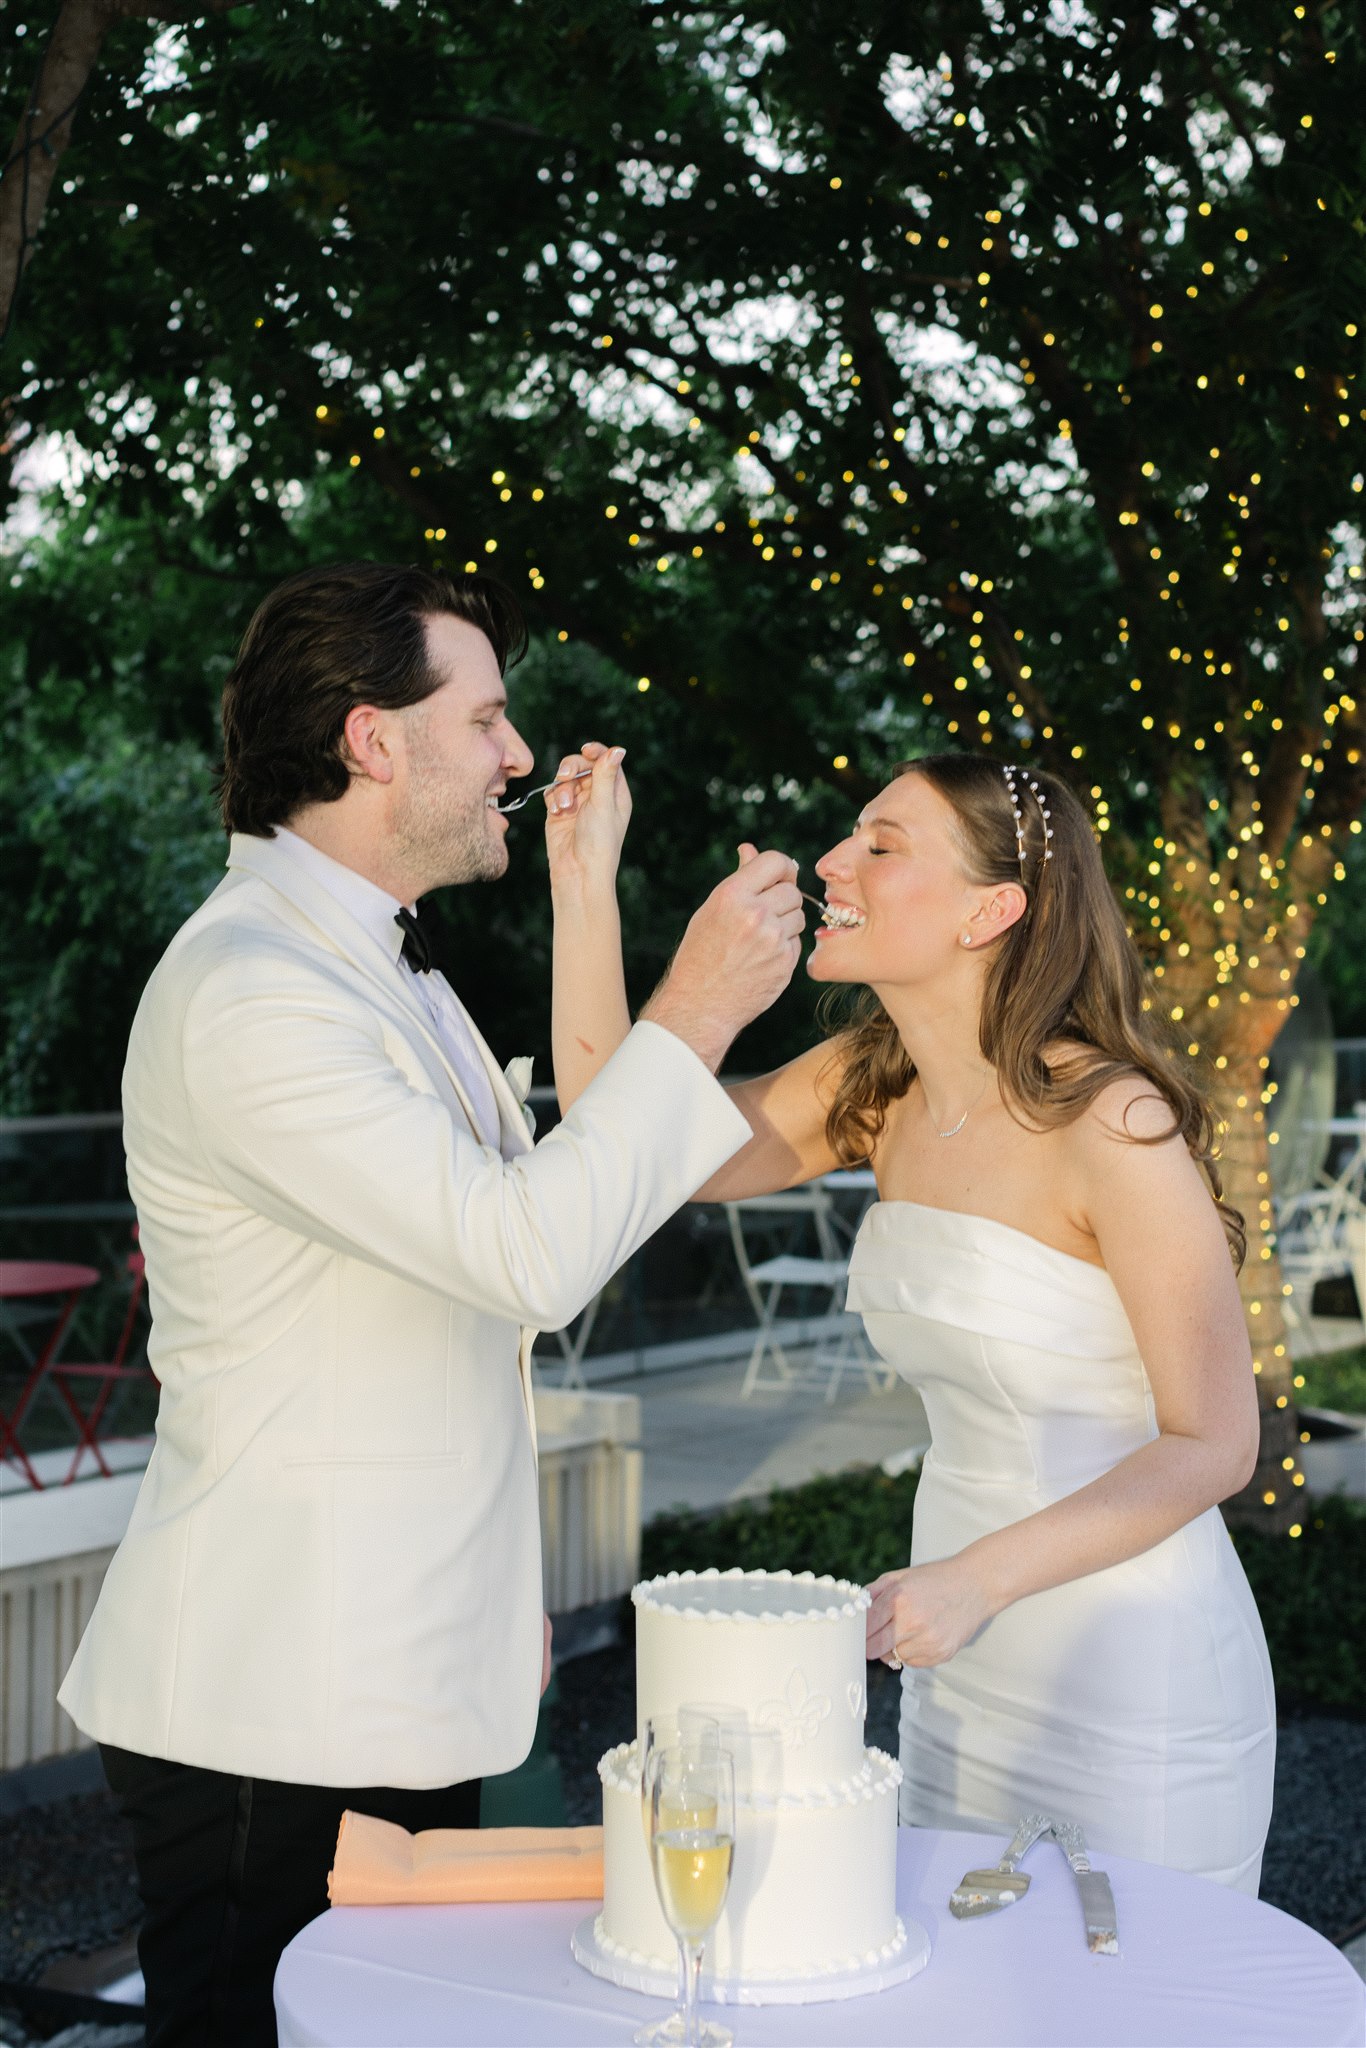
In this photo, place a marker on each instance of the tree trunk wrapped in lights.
(1245, 1165)
(1254, 943)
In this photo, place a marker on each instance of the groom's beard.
(446, 833)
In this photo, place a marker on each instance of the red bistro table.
(26, 1280)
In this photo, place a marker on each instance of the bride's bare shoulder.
(1127, 1108)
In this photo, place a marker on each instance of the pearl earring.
(967, 940)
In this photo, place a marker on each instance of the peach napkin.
(379, 1864)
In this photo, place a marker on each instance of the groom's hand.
(737, 956)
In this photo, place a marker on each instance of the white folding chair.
(767, 1279)
(846, 1215)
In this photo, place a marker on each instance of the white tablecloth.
(1200, 1965)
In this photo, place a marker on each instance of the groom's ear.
(365, 744)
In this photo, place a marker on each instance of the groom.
(329, 1594)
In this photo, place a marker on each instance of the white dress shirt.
(374, 909)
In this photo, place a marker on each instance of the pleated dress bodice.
(1023, 1355)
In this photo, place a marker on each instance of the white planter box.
(591, 1466)
(55, 1548)
(43, 1612)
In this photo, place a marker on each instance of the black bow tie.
(419, 949)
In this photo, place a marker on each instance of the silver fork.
(505, 810)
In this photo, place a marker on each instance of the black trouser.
(229, 1869)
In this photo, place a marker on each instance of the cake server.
(1093, 1889)
(986, 1891)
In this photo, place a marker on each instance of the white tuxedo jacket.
(332, 1571)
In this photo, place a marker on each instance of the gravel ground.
(66, 1883)
(66, 1877)
(85, 2034)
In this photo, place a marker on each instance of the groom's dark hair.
(321, 643)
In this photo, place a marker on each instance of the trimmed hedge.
(854, 1524)
(1311, 1590)
(1334, 1379)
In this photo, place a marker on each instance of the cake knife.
(1093, 1889)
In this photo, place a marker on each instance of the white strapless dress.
(1137, 1701)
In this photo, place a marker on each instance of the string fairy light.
(1242, 869)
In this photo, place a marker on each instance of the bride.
(1050, 1263)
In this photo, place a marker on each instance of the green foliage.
(1311, 1590)
(1335, 1379)
(854, 1524)
(972, 289)
(112, 665)
(1337, 946)
(846, 317)
(107, 843)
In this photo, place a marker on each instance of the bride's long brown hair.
(1067, 969)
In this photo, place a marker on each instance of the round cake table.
(1199, 1967)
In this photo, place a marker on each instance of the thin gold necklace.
(954, 1129)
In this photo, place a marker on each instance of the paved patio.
(704, 1445)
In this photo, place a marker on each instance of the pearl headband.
(1010, 772)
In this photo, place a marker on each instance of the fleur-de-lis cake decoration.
(797, 1717)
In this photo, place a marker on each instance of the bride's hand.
(925, 1614)
(585, 822)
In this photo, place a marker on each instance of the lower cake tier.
(813, 1883)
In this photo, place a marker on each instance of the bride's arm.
(589, 1015)
(585, 825)
(786, 1110)
(1164, 1247)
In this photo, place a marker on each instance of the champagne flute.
(692, 1842)
(689, 1726)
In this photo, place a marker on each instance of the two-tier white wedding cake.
(777, 1660)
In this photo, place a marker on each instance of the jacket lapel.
(261, 857)
(511, 1118)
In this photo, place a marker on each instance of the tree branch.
(44, 130)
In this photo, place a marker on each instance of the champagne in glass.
(692, 1873)
(692, 1727)
(692, 1841)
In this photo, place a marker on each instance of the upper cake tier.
(777, 1658)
